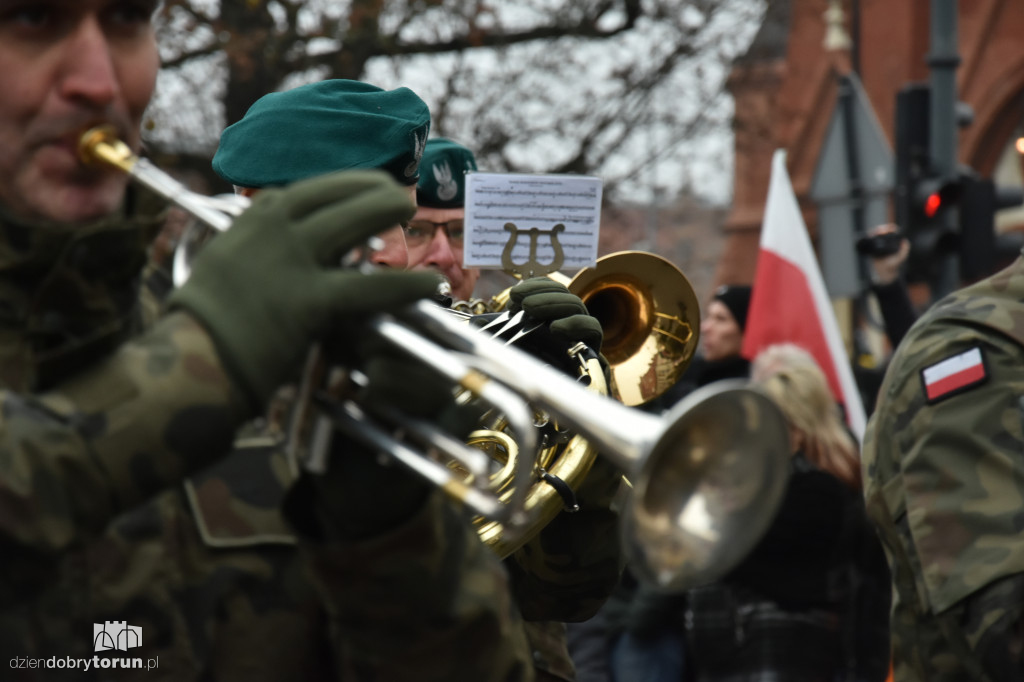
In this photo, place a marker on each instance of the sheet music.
(527, 201)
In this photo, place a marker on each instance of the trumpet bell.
(709, 488)
(650, 317)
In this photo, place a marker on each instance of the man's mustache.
(67, 130)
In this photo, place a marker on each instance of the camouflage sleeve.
(110, 438)
(423, 601)
(945, 482)
(566, 572)
(962, 464)
(990, 623)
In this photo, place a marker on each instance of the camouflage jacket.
(90, 422)
(206, 575)
(944, 481)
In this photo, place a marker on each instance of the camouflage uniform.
(944, 480)
(209, 570)
(65, 472)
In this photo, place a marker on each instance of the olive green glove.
(568, 322)
(270, 285)
(545, 300)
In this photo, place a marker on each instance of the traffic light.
(925, 198)
(933, 195)
(911, 152)
(979, 201)
(977, 227)
(922, 196)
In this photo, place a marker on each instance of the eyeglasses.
(419, 233)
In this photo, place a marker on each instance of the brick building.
(785, 91)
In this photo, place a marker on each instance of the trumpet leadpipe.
(101, 146)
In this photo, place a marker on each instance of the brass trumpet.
(650, 316)
(707, 477)
(651, 319)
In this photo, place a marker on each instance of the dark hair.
(735, 297)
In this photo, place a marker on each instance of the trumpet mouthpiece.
(101, 145)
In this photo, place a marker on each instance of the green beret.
(443, 180)
(323, 127)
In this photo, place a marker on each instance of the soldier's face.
(433, 247)
(65, 66)
(720, 334)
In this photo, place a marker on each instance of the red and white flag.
(789, 302)
(954, 374)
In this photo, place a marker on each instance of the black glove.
(363, 494)
(564, 322)
(270, 285)
(545, 300)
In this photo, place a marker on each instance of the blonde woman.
(790, 611)
(791, 377)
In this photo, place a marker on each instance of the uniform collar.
(68, 292)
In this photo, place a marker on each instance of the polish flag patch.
(954, 375)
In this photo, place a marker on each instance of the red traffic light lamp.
(934, 194)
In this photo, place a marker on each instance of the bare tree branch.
(615, 88)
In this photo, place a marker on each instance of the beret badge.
(447, 188)
(419, 145)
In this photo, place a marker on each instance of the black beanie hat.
(735, 297)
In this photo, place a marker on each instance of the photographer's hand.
(885, 269)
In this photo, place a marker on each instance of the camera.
(880, 244)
